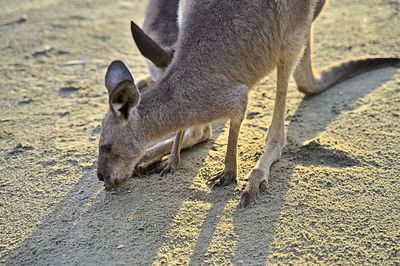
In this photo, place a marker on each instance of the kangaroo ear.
(149, 48)
(116, 72)
(122, 92)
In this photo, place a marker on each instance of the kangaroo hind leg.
(276, 138)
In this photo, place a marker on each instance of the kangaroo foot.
(249, 197)
(253, 189)
(145, 83)
(165, 167)
(222, 179)
(143, 167)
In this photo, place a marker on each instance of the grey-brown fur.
(155, 42)
(160, 25)
(224, 48)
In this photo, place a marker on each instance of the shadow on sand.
(89, 223)
(310, 119)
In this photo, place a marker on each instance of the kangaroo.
(224, 48)
(155, 42)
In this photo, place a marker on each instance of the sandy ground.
(333, 198)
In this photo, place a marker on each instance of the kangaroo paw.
(145, 83)
(253, 189)
(165, 167)
(143, 167)
(222, 179)
(248, 197)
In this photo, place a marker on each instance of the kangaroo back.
(160, 22)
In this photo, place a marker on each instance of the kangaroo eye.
(105, 148)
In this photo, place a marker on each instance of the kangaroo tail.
(345, 70)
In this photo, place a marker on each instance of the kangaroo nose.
(100, 176)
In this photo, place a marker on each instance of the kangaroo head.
(119, 147)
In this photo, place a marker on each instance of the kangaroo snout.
(110, 178)
(111, 181)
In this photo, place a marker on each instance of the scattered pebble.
(82, 62)
(62, 114)
(62, 52)
(43, 51)
(25, 101)
(19, 20)
(19, 148)
(22, 19)
(66, 92)
(252, 115)
(101, 37)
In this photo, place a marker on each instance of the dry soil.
(333, 197)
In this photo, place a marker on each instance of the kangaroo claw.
(164, 168)
(222, 179)
(249, 196)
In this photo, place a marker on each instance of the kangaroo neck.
(160, 113)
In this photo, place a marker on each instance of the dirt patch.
(332, 198)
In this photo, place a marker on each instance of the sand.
(333, 197)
